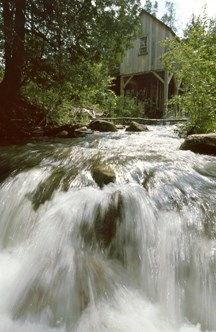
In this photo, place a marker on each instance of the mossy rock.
(200, 143)
(107, 219)
(102, 125)
(45, 189)
(136, 127)
(103, 174)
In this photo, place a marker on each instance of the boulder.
(102, 125)
(200, 143)
(62, 134)
(103, 174)
(135, 126)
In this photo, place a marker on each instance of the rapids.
(138, 255)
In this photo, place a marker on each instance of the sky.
(185, 9)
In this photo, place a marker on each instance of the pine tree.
(169, 18)
(151, 8)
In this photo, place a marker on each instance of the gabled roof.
(143, 11)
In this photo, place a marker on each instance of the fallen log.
(144, 120)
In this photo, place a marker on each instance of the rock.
(107, 219)
(61, 131)
(200, 143)
(135, 126)
(43, 192)
(5, 169)
(103, 174)
(83, 130)
(62, 134)
(102, 125)
(120, 126)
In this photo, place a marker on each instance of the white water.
(138, 255)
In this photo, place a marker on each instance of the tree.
(169, 18)
(151, 7)
(57, 41)
(192, 60)
(14, 32)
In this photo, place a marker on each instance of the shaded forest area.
(57, 54)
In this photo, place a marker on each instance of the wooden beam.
(169, 78)
(177, 82)
(121, 86)
(128, 80)
(166, 89)
(158, 76)
(157, 93)
(166, 81)
(161, 79)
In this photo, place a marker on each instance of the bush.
(128, 107)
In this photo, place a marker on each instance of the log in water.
(137, 255)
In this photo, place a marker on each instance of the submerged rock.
(106, 219)
(135, 126)
(103, 174)
(102, 125)
(45, 189)
(200, 143)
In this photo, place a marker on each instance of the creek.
(138, 255)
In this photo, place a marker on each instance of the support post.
(122, 86)
(124, 83)
(177, 83)
(166, 89)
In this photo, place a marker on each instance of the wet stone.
(102, 125)
(136, 127)
(45, 189)
(200, 143)
(103, 174)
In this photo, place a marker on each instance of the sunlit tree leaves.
(192, 59)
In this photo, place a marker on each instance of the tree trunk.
(14, 35)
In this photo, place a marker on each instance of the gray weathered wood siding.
(156, 31)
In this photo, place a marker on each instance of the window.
(143, 45)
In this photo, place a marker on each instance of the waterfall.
(136, 255)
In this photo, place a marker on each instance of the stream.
(138, 255)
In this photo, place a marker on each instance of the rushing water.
(138, 255)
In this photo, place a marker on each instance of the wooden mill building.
(142, 73)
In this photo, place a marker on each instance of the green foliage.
(192, 60)
(70, 33)
(61, 100)
(68, 49)
(128, 106)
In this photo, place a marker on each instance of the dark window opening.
(143, 45)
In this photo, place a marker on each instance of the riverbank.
(199, 143)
